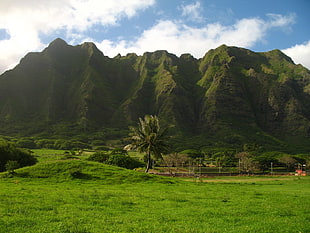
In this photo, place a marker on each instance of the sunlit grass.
(47, 205)
(46, 155)
(73, 195)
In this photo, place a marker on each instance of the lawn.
(46, 155)
(154, 205)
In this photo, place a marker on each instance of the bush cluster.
(120, 160)
(58, 144)
(10, 155)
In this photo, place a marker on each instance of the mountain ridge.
(231, 95)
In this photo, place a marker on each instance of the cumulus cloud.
(193, 12)
(47, 15)
(25, 21)
(178, 38)
(300, 54)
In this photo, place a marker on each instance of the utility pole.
(200, 168)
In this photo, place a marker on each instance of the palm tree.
(149, 138)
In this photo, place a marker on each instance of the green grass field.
(79, 197)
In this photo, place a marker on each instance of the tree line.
(149, 138)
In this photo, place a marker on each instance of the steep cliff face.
(166, 87)
(260, 90)
(229, 93)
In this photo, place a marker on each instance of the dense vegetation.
(243, 162)
(69, 97)
(12, 158)
(248, 160)
(120, 159)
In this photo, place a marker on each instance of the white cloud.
(300, 54)
(69, 14)
(179, 38)
(25, 21)
(281, 21)
(193, 12)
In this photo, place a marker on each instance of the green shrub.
(194, 154)
(119, 151)
(10, 166)
(61, 144)
(100, 157)
(120, 160)
(9, 152)
(124, 161)
(45, 143)
(26, 143)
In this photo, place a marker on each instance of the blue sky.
(179, 26)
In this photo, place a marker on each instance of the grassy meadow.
(79, 196)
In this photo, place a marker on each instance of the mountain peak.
(91, 48)
(88, 45)
(276, 53)
(58, 42)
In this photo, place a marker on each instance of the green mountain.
(230, 97)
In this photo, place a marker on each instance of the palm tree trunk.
(148, 165)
